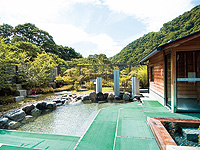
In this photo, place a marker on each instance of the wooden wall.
(180, 70)
(157, 61)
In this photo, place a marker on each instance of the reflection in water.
(66, 120)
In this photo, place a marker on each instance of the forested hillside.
(30, 33)
(183, 25)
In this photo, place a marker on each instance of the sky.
(94, 26)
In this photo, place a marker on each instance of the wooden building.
(174, 73)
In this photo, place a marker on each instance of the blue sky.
(94, 26)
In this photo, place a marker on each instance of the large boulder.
(100, 96)
(79, 97)
(28, 109)
(51, 105)
(117, 98)
(35, 112)
(121, 95)
(12, 124)
(41, 105)
(105, 95)
(86, 97)
(126, 97)
(16, 115)
(92, 96)
(111, 96)
(27, 119)
(3, 122)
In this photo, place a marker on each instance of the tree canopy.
(183, 25)
(29, 33)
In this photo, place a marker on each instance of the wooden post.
(79, 70)
(129, 67)
(173, 81)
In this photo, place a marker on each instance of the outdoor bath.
(72, 120)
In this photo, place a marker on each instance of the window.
(152, 74)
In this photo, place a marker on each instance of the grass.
(107, 89)
(104, 90)
(18, 104)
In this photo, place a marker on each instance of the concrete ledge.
(172, 147)
(63, 92)
(19, 98)
(34, 96)
(21, 93)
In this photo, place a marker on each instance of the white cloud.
(151, 12)
(20, 11)
(67, 34)
(48, 16)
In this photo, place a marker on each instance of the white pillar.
(98, 85)
(135, 86)
(116, 82)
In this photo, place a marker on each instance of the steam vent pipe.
(98, 85)
(116, 82)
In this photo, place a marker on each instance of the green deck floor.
(25, 140)
(125, 127)
(121, 127)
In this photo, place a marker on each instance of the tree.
(9, 59)
(39, 72)
(30, 33)
(181, 26)
(31, 49)
(67, 53)
(6, 31)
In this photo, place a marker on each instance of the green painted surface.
(134, 129)
(36, 140)
(152, 104)
(129, 123)
(123, 143)
(8, 147)
(121, 127)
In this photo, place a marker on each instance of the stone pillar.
(135, 86)
(116, 83)
(98, 85)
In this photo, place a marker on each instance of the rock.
(35, 112)
(100, 96)
(74, 95)
(57, 100)
(79, 97)
(19, 98)
(92, 96)
(21, 93)
(65, 97)
(16, 115)
(105, 95)
(111, 96)
(63, 101)
(121, 95)
(27, 119)
(191, 134)
(51, 105)
(86, 97)
(28, 109)
(41, 105)
(117, 98)
(3, 122)
(125, 97)
(12, 124)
